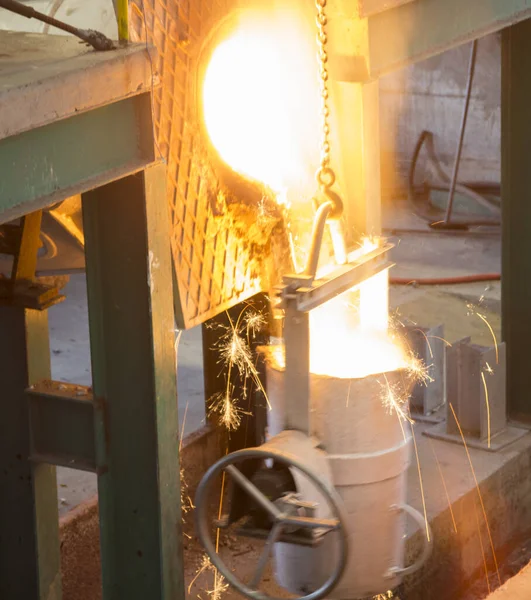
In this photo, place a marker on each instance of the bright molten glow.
(260, 101)
(349, 335)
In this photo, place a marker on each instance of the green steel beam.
(130, 299)
(62, 425)
(424, 28)
(67, 157)
(372, 7)
(29, 530)
(516, 214)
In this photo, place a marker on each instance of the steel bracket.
(23, 242)
(307, 293)
(428, 345)
(62, 425)
(476, 409)
(28, 294)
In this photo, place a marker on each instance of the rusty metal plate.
(227, 237)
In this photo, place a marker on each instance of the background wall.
(430, 95)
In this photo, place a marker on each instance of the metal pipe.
(319, 223)
(253, 491)
(471, 69)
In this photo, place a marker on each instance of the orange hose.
(478, 277)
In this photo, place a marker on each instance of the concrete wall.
(430, 95)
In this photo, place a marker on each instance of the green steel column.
(129, 277)
(516, 214)
(29, 530)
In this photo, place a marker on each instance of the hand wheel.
(280, 519)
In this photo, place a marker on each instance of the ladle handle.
(426, 548)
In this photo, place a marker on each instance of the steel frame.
(126, 427)
(133, 409)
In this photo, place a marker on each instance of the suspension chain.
(325, 175)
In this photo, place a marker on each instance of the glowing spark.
(436, 337)
(254, 322)
(419, 371)
(394, 399)
(205, 565)
(220, 587)
(421, 483)
(444, 486)
(482, 547)
(219, 582)
(348, 392)
(488, 368)
(478, 490)
(230, 415)
(427, 342)
(178, 334)
(488, 407)
(484, 319)
(186, 501)
(234, 351)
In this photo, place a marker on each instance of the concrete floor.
(517, 588)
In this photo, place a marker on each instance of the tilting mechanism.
(276, 513)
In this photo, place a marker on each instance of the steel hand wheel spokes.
(280, 519)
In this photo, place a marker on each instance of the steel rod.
(264, 557)
(311, 523)
(453, 184)
(253, 491)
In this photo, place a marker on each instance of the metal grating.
(226, 245)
